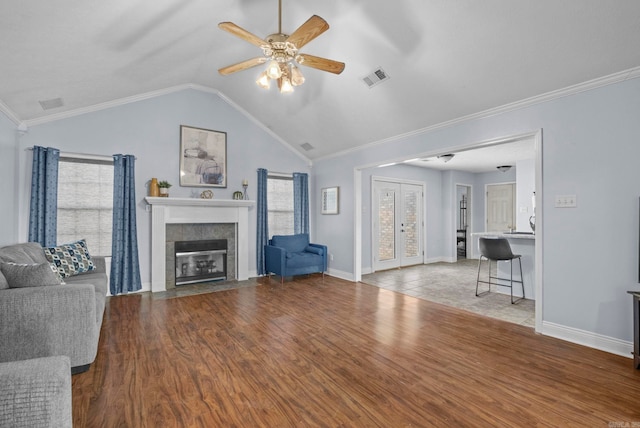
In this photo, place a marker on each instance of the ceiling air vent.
(375, 78)
(52, 103)
(307, 146)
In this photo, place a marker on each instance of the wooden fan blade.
(320, 63)
(308, 31)
(242, 65)
(242, 33)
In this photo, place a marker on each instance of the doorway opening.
(442, 249)
(463, 214)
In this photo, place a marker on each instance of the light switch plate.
(566, 201)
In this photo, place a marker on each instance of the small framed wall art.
(203, 157)
(330, 200)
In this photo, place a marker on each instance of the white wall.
(590, 252)
(150, 130)
(525, 186)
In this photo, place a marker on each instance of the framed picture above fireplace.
(203, 157)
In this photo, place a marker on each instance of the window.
(280, 204)
(85, 203)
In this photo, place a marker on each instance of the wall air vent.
(307, 146)
(51, 104)
(375, 78)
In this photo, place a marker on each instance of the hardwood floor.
(328, 353)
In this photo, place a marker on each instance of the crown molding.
(611, 79)
(109, 104)
(10, 114)
(158, 93)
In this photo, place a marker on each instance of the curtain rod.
(84, 156)
(280, 174)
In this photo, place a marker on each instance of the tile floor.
(453, 284)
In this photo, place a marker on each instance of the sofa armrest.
(275, 259)
(36, 393)
(325, 255)
(99, 263)
(49, 320)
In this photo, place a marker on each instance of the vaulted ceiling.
(446, 58)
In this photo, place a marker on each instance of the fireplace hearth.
(200, 261)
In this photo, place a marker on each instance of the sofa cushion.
(3, 282)
(27, 252)
(70, 259)
(303, 259)
(315, 250)
(291, 243)
(29, 275)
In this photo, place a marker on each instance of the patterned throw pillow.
(70, 259)
(25, 275)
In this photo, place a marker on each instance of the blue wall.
(590, 149)
(150, 129)
(8, 134)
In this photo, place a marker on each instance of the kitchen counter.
(508, 235)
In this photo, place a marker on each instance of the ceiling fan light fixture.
(503, 168)
(280, 52)
(264, 81)
(297, 78)
(273, 70)
(285, 85)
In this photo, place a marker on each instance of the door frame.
(423, 240)
(537, 137)
(469, 187)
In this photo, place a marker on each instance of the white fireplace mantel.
(191, 210)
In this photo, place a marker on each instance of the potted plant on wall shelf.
(164, 188)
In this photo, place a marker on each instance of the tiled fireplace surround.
(181, 219)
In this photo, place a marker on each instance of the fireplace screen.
(201, 261)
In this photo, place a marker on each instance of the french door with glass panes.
(397, 224)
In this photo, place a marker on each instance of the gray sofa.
(36, 393)
(47, 320)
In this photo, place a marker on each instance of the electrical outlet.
(331, 257)
(566, 201)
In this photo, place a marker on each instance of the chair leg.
(511, 283)
(521, 282)
(478, 277)
(521, 278)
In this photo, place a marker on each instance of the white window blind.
(280, 205)
(85, 203)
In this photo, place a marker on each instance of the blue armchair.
(289, 255)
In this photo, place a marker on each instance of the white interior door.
(397, 224)
(500, 207)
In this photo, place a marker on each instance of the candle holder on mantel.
(244, 186)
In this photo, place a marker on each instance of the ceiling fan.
(282, 53)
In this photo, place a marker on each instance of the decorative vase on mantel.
(154, 190)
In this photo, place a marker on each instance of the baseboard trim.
(347, 276)
(440, 259)
(587, 338)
